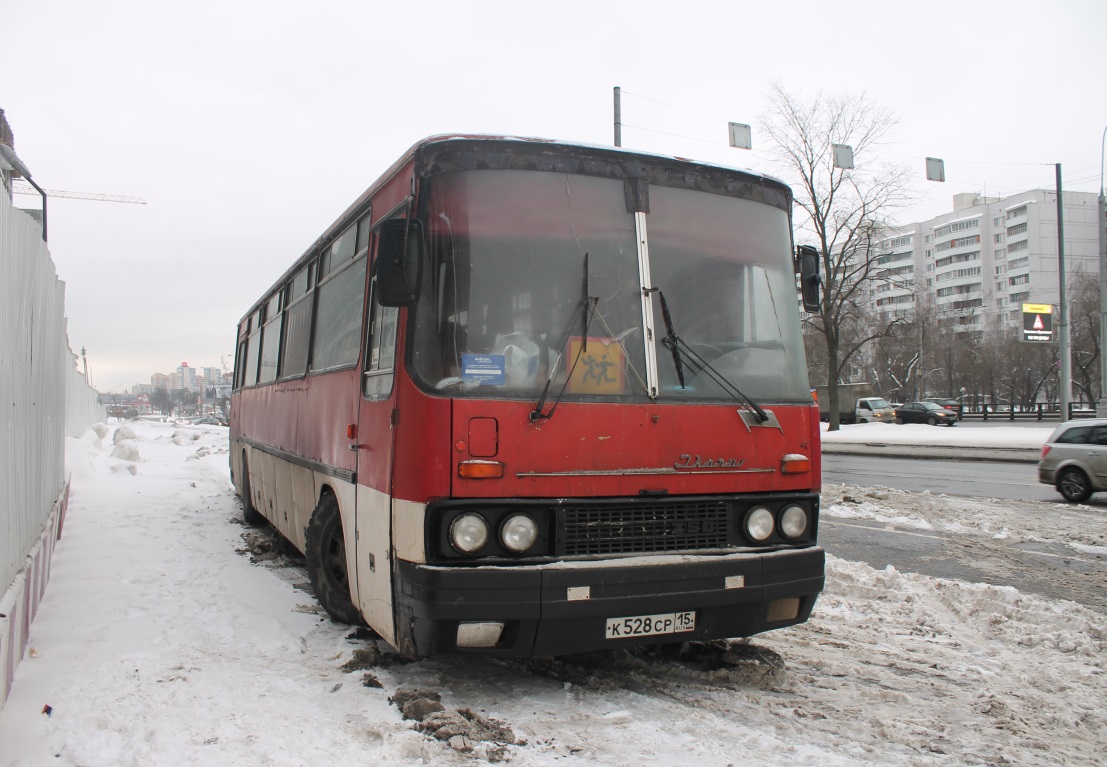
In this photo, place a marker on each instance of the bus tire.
(325, 548)
(249, 511)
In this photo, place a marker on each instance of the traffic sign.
(1037, 322)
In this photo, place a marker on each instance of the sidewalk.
(964, 442)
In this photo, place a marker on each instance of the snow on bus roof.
(587, 145)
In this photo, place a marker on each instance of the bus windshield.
(535, 276)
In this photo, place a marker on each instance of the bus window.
(507, 254)
(363, 233)
(380, 347)
(253, 345)
(336, 335)
(271, 341)
(297, 325)
(720, 262)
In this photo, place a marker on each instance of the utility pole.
(1101, 409)
(1063, 334)
(618, 116)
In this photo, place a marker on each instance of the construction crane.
(24, 189)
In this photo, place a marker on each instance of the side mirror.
(807, 267)
(399, 261)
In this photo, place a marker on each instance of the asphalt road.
(1047, 569)
(1053, 570)
(981, 479)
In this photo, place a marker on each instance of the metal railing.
(1038, 412)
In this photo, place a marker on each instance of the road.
(1035, 559)
(981, 479)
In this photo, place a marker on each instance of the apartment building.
(981, 262)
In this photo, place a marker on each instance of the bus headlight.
(469, 533)
(759, 524)
(793, 521)
(518, 533)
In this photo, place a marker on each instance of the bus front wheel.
(326, 561)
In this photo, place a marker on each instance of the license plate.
(649, 625)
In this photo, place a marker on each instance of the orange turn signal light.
(795, 463)
(480, 470)
(351, 431)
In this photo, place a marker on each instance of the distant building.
(985, 259)
(186, 378)
(162, 381)
(212, 376)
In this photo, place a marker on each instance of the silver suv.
(1074, 459)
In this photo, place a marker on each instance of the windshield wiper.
(586, 309)
(671, 342)
(679, 348)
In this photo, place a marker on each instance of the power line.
(24, 189)
(673, 106)
(676, 135)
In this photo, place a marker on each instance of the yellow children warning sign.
(599, 369)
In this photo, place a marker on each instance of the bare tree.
(1084, 325)
(844, 212)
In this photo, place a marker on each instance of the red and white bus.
(527, 398)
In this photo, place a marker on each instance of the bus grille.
(643, 527)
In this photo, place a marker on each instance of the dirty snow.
(964, 434)
(171, 634)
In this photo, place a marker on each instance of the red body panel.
(312, 425)
(599, 449)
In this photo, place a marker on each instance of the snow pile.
(160, 642)
(964, 434)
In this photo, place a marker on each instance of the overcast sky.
(248, 127)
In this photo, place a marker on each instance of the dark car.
(925, 412)
(1074, 459)
(948, 404)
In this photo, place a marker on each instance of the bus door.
(375, 444)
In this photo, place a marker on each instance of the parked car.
(1074, 459)
(925, 412)
(948, 404)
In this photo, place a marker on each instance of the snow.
(965, 434)
(172, 634)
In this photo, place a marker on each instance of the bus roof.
(634, 163)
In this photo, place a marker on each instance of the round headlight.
(518, 533)
(793, 521)
(759, 524)
(469, 533)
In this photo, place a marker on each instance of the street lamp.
(13, 160)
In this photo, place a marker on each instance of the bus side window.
(380, 346)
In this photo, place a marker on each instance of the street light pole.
(1101, 409)
(618, 116)
(1065, 396)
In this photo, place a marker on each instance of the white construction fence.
(44, 399)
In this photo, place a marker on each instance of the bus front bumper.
(566, 607)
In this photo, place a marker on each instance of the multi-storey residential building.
(186, 378)
(212, 377)
(985, 259)
(162, 381)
